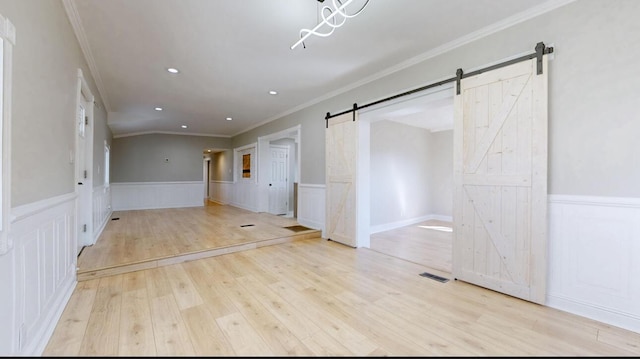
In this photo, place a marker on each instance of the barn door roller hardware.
(540, 49)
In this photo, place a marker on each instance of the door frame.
(206, 173)
(84, 195)
(289, 186)
(264, 161)
(367, 116)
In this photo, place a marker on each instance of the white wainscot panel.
(245, 195)
(150, 195)
(311, 206)
(221, 191)
(594, 266)
(43, 235)
(101, 209)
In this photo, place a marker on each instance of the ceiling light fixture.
(273, 92)
(173, 70)
(229, 119)
(184, 126)
(329, 20)
(158, 108)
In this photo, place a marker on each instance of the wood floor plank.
(276, 335)
(184, 290)
(244, 339)
(136, 326)
(70, 330)
(206, 336)
(171, 335)
(353, 340)
(208, 281)
(102, 335)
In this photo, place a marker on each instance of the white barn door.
(500, 181)
(341, 155)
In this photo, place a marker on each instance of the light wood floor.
(428, 243)
(142, 239)
(315, 297)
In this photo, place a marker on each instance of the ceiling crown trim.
(78, 29)
(537, 10)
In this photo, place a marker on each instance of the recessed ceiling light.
(173, 70)
(184, 126)
(273, 92)
(208, 150)
(158, 108)
(229, 119)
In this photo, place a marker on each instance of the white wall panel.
(311, 206)
(43, 269)
(221, 191)
(150, 195)
(245, 195)
(101, 209)
(594, 245)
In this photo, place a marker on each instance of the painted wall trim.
(167, 133)
(29, 209)
(78, 29)
(595, 200)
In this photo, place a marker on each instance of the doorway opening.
(410, 152)
(279, 172)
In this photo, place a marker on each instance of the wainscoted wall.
(594, 258)
(101, 209)
(244, 194)
(44, 269)
(311, 206)
(220, 191)
(150, 195)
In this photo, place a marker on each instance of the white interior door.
(84, 183)
(341, 144)
(279, 182)
(500, 181)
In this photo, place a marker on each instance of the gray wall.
(400, 172)
(46, 59)
(594, 88)
(411, 172)
(441, 181)
(142, 158)
(221, 166)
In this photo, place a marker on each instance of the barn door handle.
(79, 182)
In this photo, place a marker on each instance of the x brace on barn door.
(540, 48)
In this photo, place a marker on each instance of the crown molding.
(167, 133)
(476, 35)
(78, 29)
